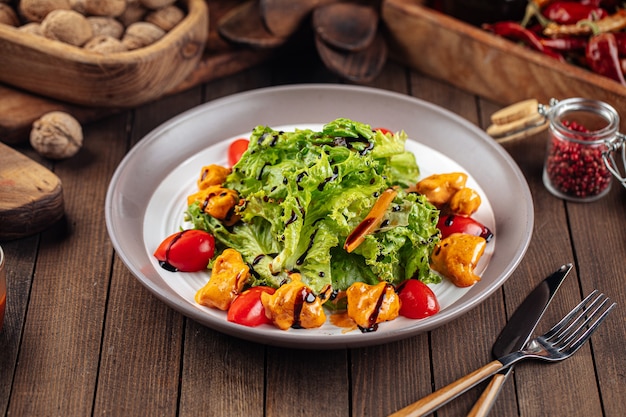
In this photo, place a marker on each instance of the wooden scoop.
(283, 17)
(243, 25)
(361, 67)
(31, 196)
(354, 49)
(347, 26)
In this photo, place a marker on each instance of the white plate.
(145, 199)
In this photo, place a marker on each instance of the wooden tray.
(485, 64)
(67, 73)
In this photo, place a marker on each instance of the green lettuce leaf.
(305, 191)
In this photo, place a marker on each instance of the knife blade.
(517, 332)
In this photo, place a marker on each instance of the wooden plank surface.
(83, 337)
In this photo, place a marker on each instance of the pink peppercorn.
(574, 169)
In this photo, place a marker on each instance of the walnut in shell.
(67, 26)
(37, 10)
(103, 44)
(156, 4)
(32, 27)
(166, 18)
(8, 15)
(106, 26)
(134, 13)
(141, 34)
(111, 8)
(56, 135)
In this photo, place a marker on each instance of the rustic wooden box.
(485, 64)
(125, 79)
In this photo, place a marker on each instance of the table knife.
(516, 334)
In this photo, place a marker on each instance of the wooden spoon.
(243, 25)
(31, 195)
(361, 66)
(347, 26)
(283, 17)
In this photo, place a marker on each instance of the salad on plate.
(307, 224)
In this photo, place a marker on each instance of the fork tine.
(579, 318)
(565, 321)
(592, 327)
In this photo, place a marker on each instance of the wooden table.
(83, 337)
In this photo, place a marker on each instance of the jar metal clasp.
(616, 146)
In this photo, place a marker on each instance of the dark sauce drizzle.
(292, 219)
(305, 296)
(299, 179)
(262, 138)
(349, 143)
(260, 176)
(359, 230)
(373, 326)
(329, 179)
(165, 264)
(302, 257)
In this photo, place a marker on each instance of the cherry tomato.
(417, 300)
(383, 130)
(186, 251)
(452, 223)
(236, 149)
(247, 308)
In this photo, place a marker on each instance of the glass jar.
(581, 132)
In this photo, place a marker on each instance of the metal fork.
(557, 344)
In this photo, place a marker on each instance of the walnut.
(110, 8)
(32, 27)
(103, 44)
(8, 15)
(134, 13)
(156, 4)
(67, 26)
(166, 18)
(106, 26)
(141, 34)
(37, 10)
(56, 135)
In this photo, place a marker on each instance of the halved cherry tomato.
(452, 223)
(186, 251)
(247, 308)
(236, 149)
(383, 130)
(417, 300)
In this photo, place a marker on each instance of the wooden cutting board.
(31, 196)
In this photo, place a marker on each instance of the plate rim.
(465, 304)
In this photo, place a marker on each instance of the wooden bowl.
(485, 64)
(68, 73)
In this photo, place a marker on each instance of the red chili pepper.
(603, 57)
(515, 31)
(569, 12)
(566, 44)
(620, 38)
